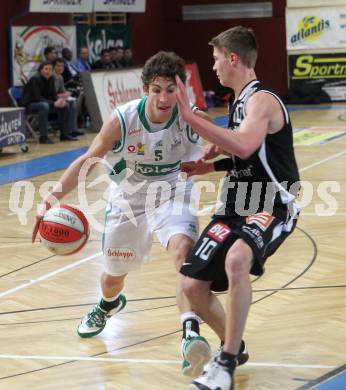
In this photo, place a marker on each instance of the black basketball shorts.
(263, 232)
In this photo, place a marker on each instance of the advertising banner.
(194, 86)
(105, 90)
(101, 37)
(119, 6)
(61, 6)
(28, 44)
(12, 126)
(114, 88)
(316, 28)
(328, 70)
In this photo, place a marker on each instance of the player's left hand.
(198, 167)
(42, 209)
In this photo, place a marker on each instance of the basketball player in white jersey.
(259, 209)
(150, 140)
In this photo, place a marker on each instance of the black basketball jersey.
(268, 180)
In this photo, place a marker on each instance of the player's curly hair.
(163, 64)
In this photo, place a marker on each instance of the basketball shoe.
(242, 357)
(216, 376)
(94, 322)
(196, 352)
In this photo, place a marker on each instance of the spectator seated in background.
(115, 58)
(127, 60)
(71, 75)
(104, 62)
(40, 97)
(82, 64)
(58, 67)
(50, 54)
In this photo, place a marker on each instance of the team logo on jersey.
(140, 148)
(133, 132)
(219, 231)
(192, 228)
(262, 220)
(176, 141)
(159, 144)
(131, 149)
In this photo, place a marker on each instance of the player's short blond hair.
(239, 40)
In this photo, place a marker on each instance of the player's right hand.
(41, 210)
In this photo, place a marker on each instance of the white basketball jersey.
(152, 151)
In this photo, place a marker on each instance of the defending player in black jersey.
(259, 209)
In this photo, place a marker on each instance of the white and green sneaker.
(196, 352)
(94, 322)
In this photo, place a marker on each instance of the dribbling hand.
(42, 209)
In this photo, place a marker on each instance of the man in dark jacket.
(40, 97)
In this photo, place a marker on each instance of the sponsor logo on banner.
(113, 88)
(314, 66)
(262, 220)
(310, 28)
(123, 254)
(119, 5)
(326, 69)
(194, 86)
(219, 232)
(119, 92)
(64, 6)
(28, 44)
(133, 132)
(315, 28)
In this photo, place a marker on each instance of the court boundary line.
(323, 379)
(151, 361)
(49, 274)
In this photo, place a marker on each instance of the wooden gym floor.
(296, 330)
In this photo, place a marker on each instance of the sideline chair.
(15, 93)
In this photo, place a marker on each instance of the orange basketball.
(64, 230)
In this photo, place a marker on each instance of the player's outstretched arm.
(109, 134)
(260, 109)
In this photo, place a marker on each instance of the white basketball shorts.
(132, 219)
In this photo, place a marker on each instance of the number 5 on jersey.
(158, 155)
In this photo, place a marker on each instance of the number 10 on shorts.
(206, 248)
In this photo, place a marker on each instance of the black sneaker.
(45, 140)
(76, 133)
(68, 138)
(243, 355)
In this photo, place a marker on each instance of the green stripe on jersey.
(143, 119)
(155, 169)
